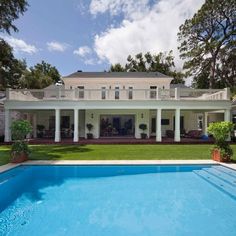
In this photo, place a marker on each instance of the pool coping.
(117, 162)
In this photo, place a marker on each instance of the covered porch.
(118, 126)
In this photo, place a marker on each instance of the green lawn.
(114, 152)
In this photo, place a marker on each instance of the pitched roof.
(117, 75)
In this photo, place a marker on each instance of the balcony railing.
(114, 94)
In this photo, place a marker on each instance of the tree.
(204, 38)
(40, 76)
(11, 69)
(10, 10)
(162, 62)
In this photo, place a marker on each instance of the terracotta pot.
(216, 156)
(18, 157)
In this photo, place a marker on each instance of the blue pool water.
(118, 200)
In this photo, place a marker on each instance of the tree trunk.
(212, 74)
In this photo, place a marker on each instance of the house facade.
(115, 104)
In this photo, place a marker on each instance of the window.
(153, 92)
(81, 91)
(130, 93)
(117, 93)
(103, 92)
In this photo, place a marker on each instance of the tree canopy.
(11, 69)
(39, 76)
(208, 44)
(11, 10)
(162, 62)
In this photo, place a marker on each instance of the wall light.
(142, 115)
(92, 115)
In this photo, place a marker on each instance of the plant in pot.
(221, 132)
(89, 134)
(143, 127)
(40, 131)
(19, 149)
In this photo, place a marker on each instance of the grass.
(114, 152)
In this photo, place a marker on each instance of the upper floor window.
(153, 91)
(117, 93)
(130, 93)
(81, 91)
(103, 93)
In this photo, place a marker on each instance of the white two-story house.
(116, 103)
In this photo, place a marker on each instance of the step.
(218, 183)
(226, 170)
(221, 175)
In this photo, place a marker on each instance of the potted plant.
(143, 127)
(40, 131)
(221, 132)
(19, 149)
(89, 134)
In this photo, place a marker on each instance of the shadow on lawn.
(55, 152)
(4, 156)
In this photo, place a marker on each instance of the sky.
(90, 35)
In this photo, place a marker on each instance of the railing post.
(158, 96)
(7, 93)
(76, 93)
(227, 93)
(177, 93)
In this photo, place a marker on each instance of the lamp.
(92, 115)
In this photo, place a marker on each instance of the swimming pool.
(118, 200)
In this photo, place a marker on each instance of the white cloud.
(155, 31)
(20, 45)
(83, 51)
(57, 46)
(132, 9)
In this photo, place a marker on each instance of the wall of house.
(190, 120)
(93, 117)
(43, 119)
(111, 83)
(15, 115)
(215, 117)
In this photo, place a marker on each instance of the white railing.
(114, 94)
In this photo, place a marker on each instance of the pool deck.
(119, 162)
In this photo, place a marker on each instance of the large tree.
(11, 69)
(40, 76)
(10, 10)
(162, 62)
(204, 40)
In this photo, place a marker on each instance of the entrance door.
(116, 124)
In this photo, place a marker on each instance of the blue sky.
(91, 34)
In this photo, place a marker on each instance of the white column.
(205, 122)
(76, 125)
(7, 126)
(227, 117)
(177, 125)
(57, 125)
(35, 125)
(158, 126)
(28, 118)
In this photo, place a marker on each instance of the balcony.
(117, 94)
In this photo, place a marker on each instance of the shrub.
(20, 129)
(221, 132)
(89, 127)
(143, 127)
